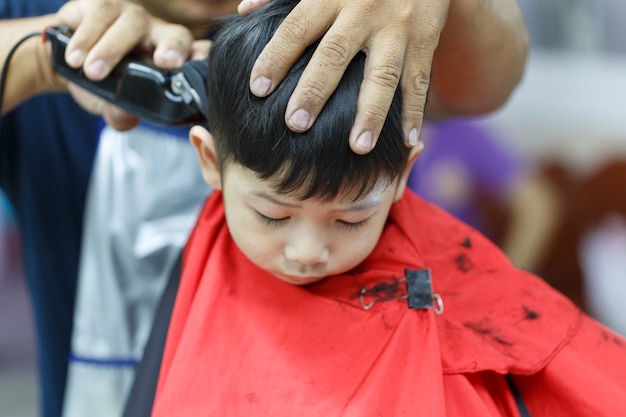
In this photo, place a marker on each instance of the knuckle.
(387, 74)
(376, 114)
(314, 92)
(107, 6)
(403, 14)
(295, 29)
(135, 16)
(335, 52)
(414, 111)
(273, 61)
(177, 36)
(429, 36)
(416, 77)
(107, 3)
(417, 86)
(415, 93)
(135, 12)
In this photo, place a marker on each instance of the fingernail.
(96, 69)
(244, 6)
(300, 119)
(365, 140)
(413, 137)
(261, 86)
(173, 58)
(75, 58)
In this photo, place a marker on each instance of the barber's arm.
(29, 71)
(476, 49)
(480, 58)
(105, 31)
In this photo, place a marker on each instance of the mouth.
(298, 279)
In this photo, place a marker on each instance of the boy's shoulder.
(496, 316)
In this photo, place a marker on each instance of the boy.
(306, 284)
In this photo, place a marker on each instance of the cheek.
(254, 239)
(353, 248)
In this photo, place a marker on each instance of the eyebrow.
(360, 206)
(269, 197)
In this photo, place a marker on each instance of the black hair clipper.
(162, 97)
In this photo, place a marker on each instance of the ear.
(415, 152)
(204, 143)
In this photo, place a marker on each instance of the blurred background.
(545, 178)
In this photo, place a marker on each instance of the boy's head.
(300, 205)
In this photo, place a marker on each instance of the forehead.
(247, 182)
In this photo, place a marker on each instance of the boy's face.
(301, 242)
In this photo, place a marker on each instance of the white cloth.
(602, 253)
(144, 196)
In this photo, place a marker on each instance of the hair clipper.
(163, 97)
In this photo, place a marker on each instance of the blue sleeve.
(13, 9)
(47, 147)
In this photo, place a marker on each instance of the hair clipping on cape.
(418, 292)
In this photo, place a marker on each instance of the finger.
(172, 43)
(90, 21)
(293, 36)
(200, 49)
(321, 76)
(417, 69)
(118, 40)
(116, 117)
(119, 119)
(88, 101)
(381, 77)
(71, 13)
(415, 86)
(248, 6)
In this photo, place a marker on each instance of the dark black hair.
(252, 131)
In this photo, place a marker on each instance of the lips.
(298, 279)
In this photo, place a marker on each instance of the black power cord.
(5, 66)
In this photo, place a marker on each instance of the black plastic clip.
(419, 292)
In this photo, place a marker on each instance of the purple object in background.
(460, 158)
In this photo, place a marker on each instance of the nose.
(307, 250)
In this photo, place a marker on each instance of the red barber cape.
(243, 343)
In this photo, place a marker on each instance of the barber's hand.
(399, 38)
(107, 30)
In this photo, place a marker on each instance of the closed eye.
(272, 221)
(352, 225)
